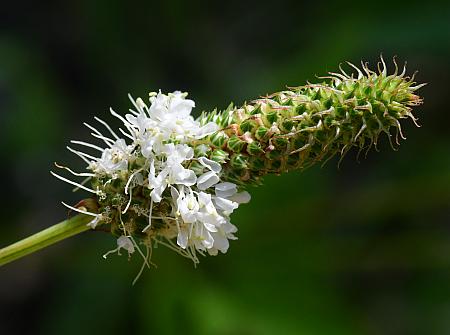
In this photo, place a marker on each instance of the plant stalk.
(44, 238)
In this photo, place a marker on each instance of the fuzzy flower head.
(154, 184)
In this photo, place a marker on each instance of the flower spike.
(175, 180)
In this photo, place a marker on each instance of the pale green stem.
(44, 238)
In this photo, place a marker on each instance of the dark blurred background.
(364, 249)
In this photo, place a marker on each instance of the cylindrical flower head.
(298, 127)
(175, 181)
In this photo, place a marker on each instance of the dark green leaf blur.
(364, 249)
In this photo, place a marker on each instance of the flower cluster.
(155, 184)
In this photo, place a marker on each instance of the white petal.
(182, 238)
(94, 222)
(184, 151)
(147, 147)
(156, 195)
(207, 180)
(226, 189)
(208, 240)
(207, 129)
(221, 243)
(186, 177)
(227, 206)
(174, 193)
(210, 164)
(124, 242)
(241, 197)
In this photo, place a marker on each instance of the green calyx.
(295, 128)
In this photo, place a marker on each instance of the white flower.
(210, 164)
(201, 237)
(115, 158)
(229, 191)
(241, 197)
(147, 143)
(207, 213)
(225, 205)
(159, 156)
(172, 112)
(173, 171)
(225, 190)
(183, 234)
(141, 123)
(201, 224)
(179, 105)
(123, 242)
(209, 178)
(157, 183)
(206, 130)
(179, 153)
(188, 206)
(221, 237)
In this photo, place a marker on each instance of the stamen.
(164, 217)
(343, 72)
(84, 174)
(413, 119)
(129, 179)
(394, 59)
(79, 210)
(330, 157)
(344, 151)
(139, 250)
(338, 131)
(415, 88)
(132, 240)
(110, 252)
(365, 68)
(404, 70)
(72, 183)
(88, 145)
(178, 250)
(360, 74)
(99, 135)
(107, 127)
(82, 183)
(126, 134)
(142, 267)
(338, 75)
(300, 149)
(129, 201)
(82, 153)
(92, 128)
(149, 217)
(120, 117)
(132, 111)
(134, 104)
(360, 131)
(384, 66)
(107, 140)
(82, 157)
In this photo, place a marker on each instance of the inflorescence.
(166, 178)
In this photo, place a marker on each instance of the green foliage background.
(360, 250)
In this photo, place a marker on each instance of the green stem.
(44, 238)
